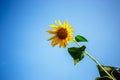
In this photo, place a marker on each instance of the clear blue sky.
(25, 53)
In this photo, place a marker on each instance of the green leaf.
(76, 61)
(80, 38)
(103, 78)
(77, 53)
(113, 71)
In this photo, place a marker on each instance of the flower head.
(62, 34)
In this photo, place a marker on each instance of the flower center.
(62, 33)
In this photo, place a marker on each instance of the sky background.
(25, 53)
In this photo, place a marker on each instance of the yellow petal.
(66, 42)
(54, 26)
(62, 44)
(66, 24)
(52, 38)
(52, 31)
(70, 27)
(55, 41)
(72, 39)
(59, 23)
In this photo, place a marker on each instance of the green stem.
(90, 56)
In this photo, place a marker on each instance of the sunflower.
(62, 34)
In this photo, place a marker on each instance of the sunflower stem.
(91, 57)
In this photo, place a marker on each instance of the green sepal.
(80, 38)
(77, 53)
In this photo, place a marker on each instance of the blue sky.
(26, 54)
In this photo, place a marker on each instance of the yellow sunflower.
(62, 34)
